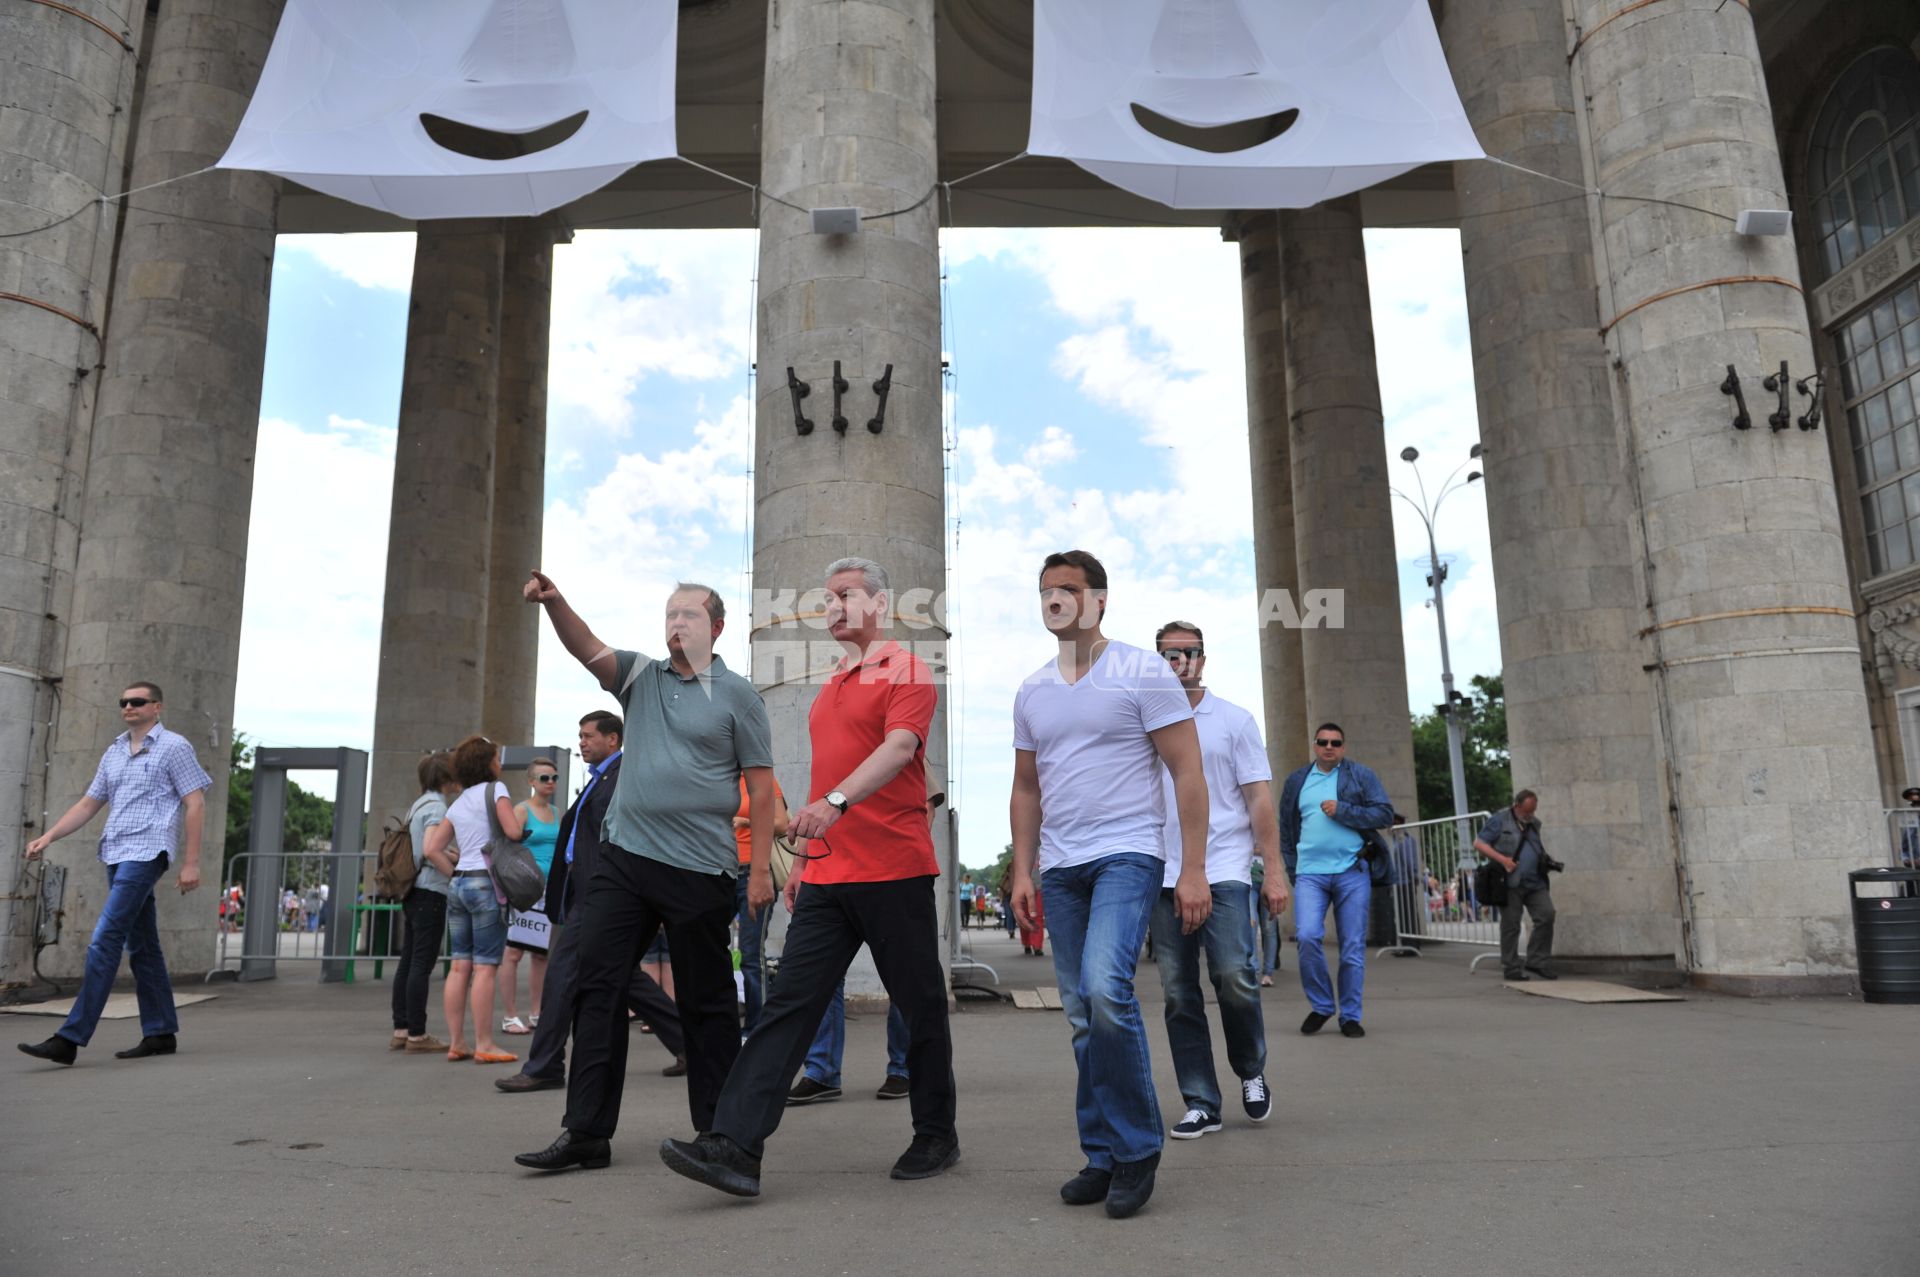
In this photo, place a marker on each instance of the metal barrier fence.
(1442, 905)
(1903, 837)
(333, 928)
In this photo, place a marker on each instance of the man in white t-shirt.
(1240, 820)
(1091, 731)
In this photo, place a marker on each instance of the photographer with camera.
(1511, 839)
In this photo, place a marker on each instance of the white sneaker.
(1196, 1123)
(1255, 1098)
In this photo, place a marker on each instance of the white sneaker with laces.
(1255, 1098)
(1196, 1123)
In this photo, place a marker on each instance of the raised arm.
(572, 632)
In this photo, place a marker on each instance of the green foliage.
(1483, 748)
(309, 816)
(992, 874)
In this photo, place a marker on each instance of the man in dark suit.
(576, 855)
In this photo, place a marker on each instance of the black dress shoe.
(1132, 1186)
(1521, 976)
(521, 1082)
(584, 1151)
(677, 1069)
(1352, 1029)
(154, 1044)
(715, 1161)
(56, 1048)
(926, 1157)
(1541, 974)
(1312, 1024)
(1089, 1186)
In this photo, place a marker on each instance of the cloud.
(379, 261)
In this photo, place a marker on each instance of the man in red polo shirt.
(868, 876)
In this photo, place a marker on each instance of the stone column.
(162, 563)
(848, 121)
(433, 632)
(519, 480)
(1275, 565)
(1759, 702)
(63, 138)
(1357, 675)
(1579, 710)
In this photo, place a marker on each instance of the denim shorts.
(475, 923)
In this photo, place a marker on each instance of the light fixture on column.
(836, 221)
(1763, 221)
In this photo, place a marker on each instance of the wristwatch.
(838, 800)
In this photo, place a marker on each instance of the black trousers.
(627, 902)
(896, 920)
(425, 915)
(547, 1056)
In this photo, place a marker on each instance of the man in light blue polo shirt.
(1323, 809)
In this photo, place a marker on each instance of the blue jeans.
(753, 939)
(129, 921)
(1350, 895)
(476, 926)
(1097, 916)
(830, 1042)
(1268, 950)
(1228, 940)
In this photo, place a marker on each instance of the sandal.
(515, 1025)
(494, 1057)
(457, 1053)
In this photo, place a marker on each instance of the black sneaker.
(1521, 976)
(56, 1048)
(926, 1157)
(1541, 973)
(1351, 1029)
(1255, 1098)
(1196, 1123)
(894, 1088)
(1312, 1023)
(1086, 1188)
(715, 1161)
(1132, 1186)
(808, 1091)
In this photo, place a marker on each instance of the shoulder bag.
(517, 880)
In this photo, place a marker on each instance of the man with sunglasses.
(1240, 821)
(153, 784)
(1325, 808)
(868, 877)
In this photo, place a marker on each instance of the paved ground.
(1473, 1131)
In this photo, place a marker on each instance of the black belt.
(470, 873)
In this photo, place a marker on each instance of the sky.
(1088, 407)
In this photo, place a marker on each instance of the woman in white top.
(476, 923)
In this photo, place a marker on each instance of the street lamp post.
(1436, 576)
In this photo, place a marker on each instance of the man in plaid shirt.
(148, 777)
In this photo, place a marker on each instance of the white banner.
(354, 90)
(529, 929)
(1244, 103)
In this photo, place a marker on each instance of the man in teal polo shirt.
(694, 729)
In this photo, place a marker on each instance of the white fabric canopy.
(1367, 78)
(346, 83)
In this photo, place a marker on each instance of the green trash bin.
(1886, 933)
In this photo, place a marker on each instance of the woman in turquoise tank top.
(528, 930)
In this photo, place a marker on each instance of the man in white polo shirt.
(1240, 817)
(1091, 730)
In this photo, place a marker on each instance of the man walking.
(1511, 839)
(869, 873)
(578, 854)
(1091, 730)
(1240, 820)
(1324, 808)
(154, 785)
(669, 860)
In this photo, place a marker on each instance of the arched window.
(1864, 163)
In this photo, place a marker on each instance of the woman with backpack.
(475, 919)
(424, 909)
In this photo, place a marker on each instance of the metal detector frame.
(262, 930)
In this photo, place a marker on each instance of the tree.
(1483, 749)
(309, 816)
(991, 876)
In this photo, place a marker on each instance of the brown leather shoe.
(429, 1043)
(677, 1069)
(521, 1082)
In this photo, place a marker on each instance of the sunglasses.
(134, 702)
(1190, 653)
(805, 855)
(543, 777)
(1324, 743)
